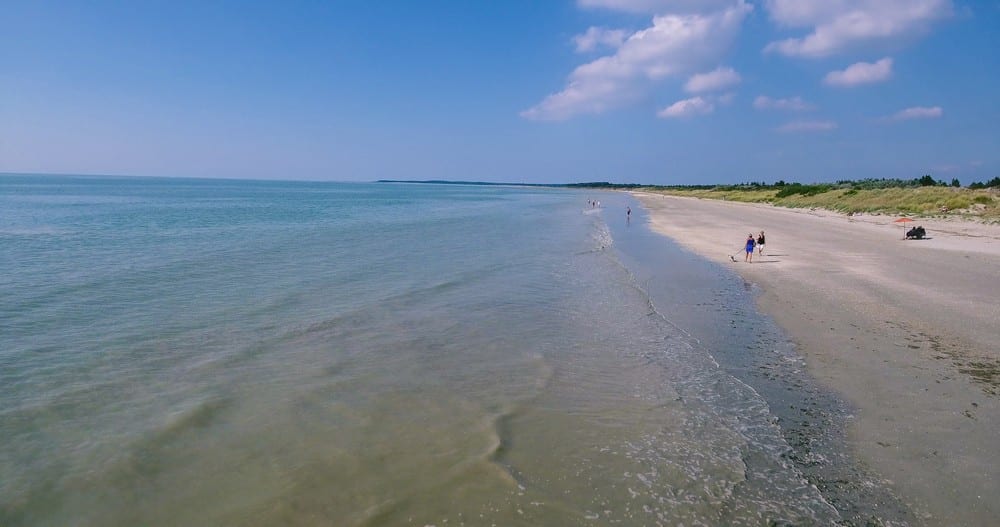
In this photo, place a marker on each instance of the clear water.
(195, 352)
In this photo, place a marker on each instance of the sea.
(227, 352)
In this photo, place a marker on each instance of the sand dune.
(908, 331)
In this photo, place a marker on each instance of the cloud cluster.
(599, 36)
(674, 45)
(715, 80)
(861, 73)
(795, 104)
(689, 36)
(687, 108)
(840, 25)
(917, 112)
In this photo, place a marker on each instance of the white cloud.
(917, 112)
(807, 126)
(598, 36)
(795, 104)
(861, 73)
(657, 6)
(687, 108)
(673, 45)
(715, 80)
(839, 25)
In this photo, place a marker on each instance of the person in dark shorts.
(749, 248)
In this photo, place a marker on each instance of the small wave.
(149, 455)
(33, 231)
(361, 314)
(496, 452)
(196, 416)
(501, 430)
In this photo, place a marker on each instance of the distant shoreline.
(922, 197)
(498, 184)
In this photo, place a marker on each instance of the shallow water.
(260, 353)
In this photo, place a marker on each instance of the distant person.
(760, 243)
(749, 248)
(628, 214)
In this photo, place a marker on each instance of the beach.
(905, 331)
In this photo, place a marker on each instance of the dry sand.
(908, 331)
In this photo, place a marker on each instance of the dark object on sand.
(903, 222)
(917, 232)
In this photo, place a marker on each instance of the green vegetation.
(805, 190)
(993, 183)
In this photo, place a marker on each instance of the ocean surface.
(211, 352)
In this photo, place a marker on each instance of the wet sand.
(907, 331)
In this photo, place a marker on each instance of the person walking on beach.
(760, 243)
(628, 214)
(749, 248)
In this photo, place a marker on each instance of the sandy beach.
(907, 331)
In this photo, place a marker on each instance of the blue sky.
(646, 91)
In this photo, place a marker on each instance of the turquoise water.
(206, 352)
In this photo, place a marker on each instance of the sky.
(539, 91)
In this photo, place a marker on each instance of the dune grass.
(926, 201)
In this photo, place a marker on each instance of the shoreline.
(902, 330)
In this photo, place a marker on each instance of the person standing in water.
(749, 248)
(628, 214)
(760, 243)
